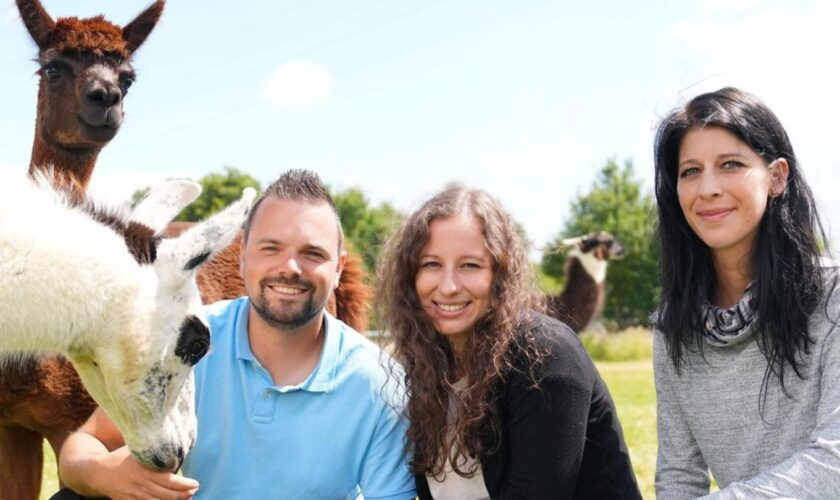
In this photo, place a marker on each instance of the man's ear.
(342, 259)
(779, 171)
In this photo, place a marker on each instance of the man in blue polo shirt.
(291, 402)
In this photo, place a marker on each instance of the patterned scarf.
(729, 326)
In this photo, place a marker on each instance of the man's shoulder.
(223, 315)
(355, 347)
(359, 357)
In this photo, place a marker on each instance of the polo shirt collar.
(323, 376)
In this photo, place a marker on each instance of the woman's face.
(455, 277)
(723, 188)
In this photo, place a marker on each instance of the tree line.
(614, 203)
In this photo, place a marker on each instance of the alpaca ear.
(202, 241)
(164, 202)
(135, 32)
(570, 242)
(39, 24)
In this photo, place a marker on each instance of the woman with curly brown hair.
(503, 401)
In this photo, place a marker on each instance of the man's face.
(290, 262)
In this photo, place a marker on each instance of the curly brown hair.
(429, 365)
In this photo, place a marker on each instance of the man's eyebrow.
(317, 247)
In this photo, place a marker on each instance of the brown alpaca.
(582, 298)
(85, 73)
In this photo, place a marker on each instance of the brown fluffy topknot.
(94, 34)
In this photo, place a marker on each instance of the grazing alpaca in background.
(119, 302)
(583, 296)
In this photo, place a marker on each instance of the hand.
(127, 479)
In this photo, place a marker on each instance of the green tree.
(365, 227)
(616, 204)
(218, 190)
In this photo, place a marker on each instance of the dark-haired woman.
(747, 348)
(503, 401)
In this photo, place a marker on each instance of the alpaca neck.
(595, 267)
(71, 168)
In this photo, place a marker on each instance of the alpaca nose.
(169, 459)
(104, 95)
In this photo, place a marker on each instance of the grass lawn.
(49, 484)
(631, 385)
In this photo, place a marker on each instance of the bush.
(635, 343)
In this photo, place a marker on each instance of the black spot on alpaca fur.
(196, 261)
(140, 240)
(156, 384)
(193, 340)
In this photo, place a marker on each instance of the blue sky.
(524, 98)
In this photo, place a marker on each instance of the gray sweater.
(708, 420)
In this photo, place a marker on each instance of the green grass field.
(631, 386)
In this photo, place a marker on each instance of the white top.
(453, 486)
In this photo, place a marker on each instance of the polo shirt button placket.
(264, 407)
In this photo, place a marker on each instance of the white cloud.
(297, 85)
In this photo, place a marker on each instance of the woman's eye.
(689, 172)
(429, 265)
(52, 73)
(731, 164)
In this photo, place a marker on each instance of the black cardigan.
(561, 440)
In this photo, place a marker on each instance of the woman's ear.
(779, 170)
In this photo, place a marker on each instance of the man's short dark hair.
(302, 186)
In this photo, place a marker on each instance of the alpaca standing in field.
(583, 296)
(119, 302)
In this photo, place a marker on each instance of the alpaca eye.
(126, 83)
(52, 73)
(196, 350)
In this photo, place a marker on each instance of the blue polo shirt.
(331, 436)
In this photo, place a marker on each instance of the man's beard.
(283, 315)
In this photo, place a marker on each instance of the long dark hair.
(788, 279)
(428, 362)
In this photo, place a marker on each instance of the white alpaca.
(132, 328)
